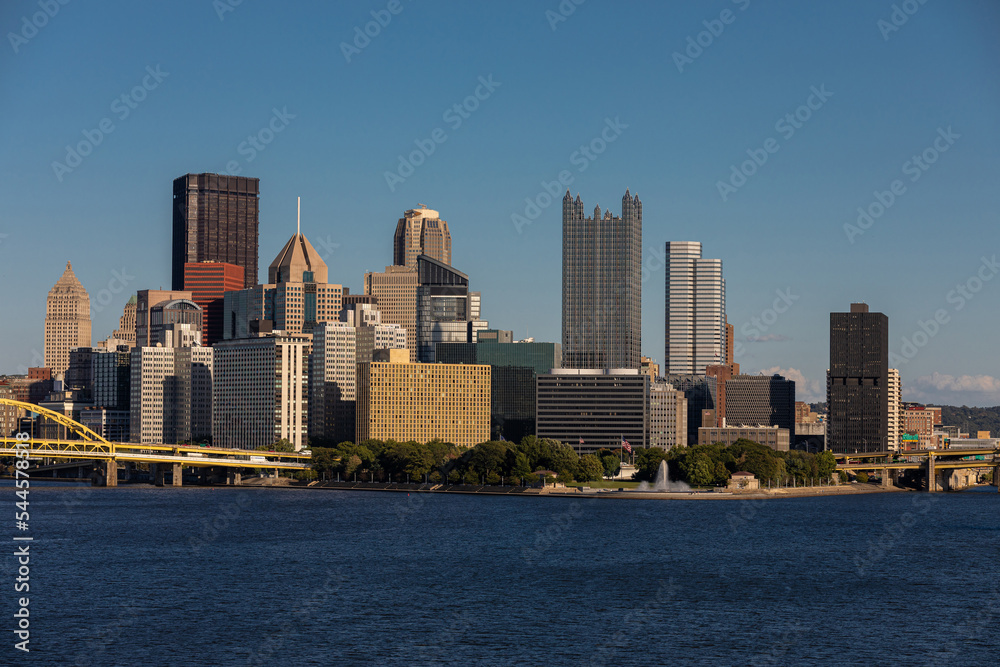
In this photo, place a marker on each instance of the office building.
(918, 421)
(295, 298)
(110, 424)
(175, 323)
(591, 409)
(446, 311)
(601, 285)
(649, 367)
(667, 416)
(760, 400)
(80, 375)
(858, 386)
(67, 320)
(895, 398)
(112, 377)
(496, 336)
(421, 231)
(696, 328)
(9, 414)
(395, 291)
(125, 333)
(332, 382)
(171, 394)
(403, 401)
(261, 391)
(208, 283)
(514, 368)
(146, 299)
(775, 437)
(701, 393)
(215, 220)
(370, 333)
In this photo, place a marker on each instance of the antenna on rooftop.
(298, 218)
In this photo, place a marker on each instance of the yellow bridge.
(936, 463)
(92, 447)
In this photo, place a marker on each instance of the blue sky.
(224, 73)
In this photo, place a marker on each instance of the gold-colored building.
(401, 401)
(67, 320)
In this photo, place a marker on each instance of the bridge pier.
(178, 476)
(156, 473)
(996, 477)
(930, 474)
(234, 478)
(886, 480)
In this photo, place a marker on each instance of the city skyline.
(785, 233)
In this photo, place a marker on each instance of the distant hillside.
(971, 420)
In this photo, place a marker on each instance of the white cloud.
(810, 391)
(981, 390)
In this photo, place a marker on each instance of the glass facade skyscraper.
(695, 310)
(215, 219)
(601, 285)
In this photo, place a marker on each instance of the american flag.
(581, 441)
(627, 447)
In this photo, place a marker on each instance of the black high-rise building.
(215, 219)
(857, 391)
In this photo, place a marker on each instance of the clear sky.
(668, 117)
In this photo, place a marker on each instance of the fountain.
(662, 483)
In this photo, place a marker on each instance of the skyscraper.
(859, 381)
(421, 231)
(67, 320)
(447, 312)
(215, 219)
(601, 285)
(696, 331)
(208, 283)
(295, 298)
(395, 290)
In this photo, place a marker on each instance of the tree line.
(496, 462)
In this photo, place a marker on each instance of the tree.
(862, 477)
(700, 470)
(488, 457)
(611, 465)
(283, 445)
(590, 468)
(842, 475)
(826, 463)
(520, 470)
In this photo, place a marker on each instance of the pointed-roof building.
(296, 296)
(67, 320)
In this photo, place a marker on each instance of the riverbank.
(576, 492)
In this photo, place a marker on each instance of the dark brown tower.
(215, 220)
(859, 381)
